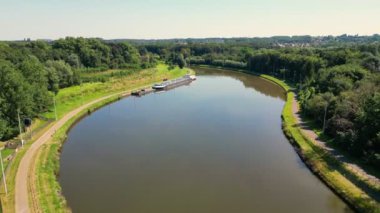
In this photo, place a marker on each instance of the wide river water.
(214, 146)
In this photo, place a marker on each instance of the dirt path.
(21, 191)
(314, 137)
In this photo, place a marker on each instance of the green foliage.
(328, 168)
(15, 94)
(371, 62)
(177, 59)
(318, 68)
(63, 75)
(3, 128)
(369, 132)
(181, 61)
(31, 71)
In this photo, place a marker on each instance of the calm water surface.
(213, 146)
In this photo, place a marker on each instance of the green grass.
(67, 100)
(334, 173)
(281, 83)
(330, 170)
(48, 188)
(323, 164)
(6, 152)
(72, 97)
(7, 202)
(47, 162)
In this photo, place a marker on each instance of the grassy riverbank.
(323, 164)
(349, 185)
(47, 162)
(45, 190)
(8, 201)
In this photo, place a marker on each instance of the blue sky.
(187, 18)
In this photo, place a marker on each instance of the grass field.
(72, 97)
(46, 191)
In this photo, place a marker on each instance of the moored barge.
(174, 83)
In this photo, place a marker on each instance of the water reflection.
(213, 146)
(263, 86)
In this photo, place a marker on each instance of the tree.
(63, 71)
(36, 75)
(3, 128)
(73, 60)
(283, 72)
(369, 122)
(14, 94)
(53, 79)
(372, 63)
(181, 61)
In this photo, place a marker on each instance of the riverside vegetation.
(341, 79)
(44, 187)
(337, 78)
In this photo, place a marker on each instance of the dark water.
(214, 146)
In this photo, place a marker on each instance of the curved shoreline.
(297, 147)
(31, 187)
(68, 124)
(22, 176)
(325, 166)
(59, 140)
(366, 204)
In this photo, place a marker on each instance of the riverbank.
(330, 170)
(355, 190)
(48, 157)
(68, 100)
(323, 164)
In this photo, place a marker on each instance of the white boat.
(174, 83)
(159, 86)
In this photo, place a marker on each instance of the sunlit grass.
(330, 170)
(47, 163)
(72, 97)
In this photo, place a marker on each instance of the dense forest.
(31, 72)
(337, 78)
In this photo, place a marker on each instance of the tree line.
(264, 42)
(31, 72)
(338, 82)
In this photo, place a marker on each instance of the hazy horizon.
(168, 19)
(184, 38)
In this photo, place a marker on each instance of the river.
(215, 145)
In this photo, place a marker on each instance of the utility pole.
(55, 108)
(2, 169)
(19, 127)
